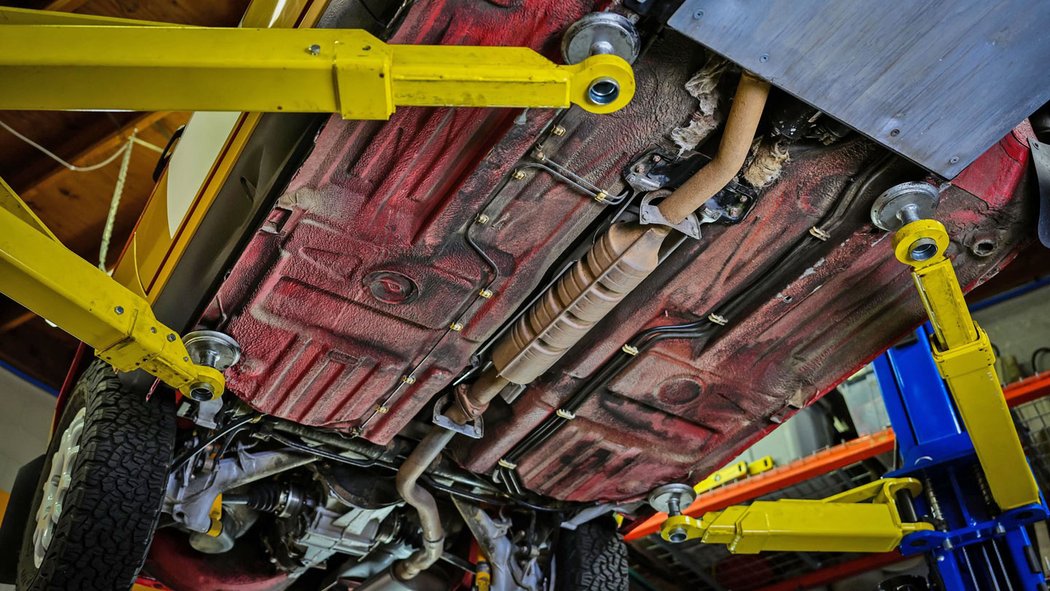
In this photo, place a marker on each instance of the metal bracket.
(201, 413)
(1041, 163)
(474, 430)
(649, 214)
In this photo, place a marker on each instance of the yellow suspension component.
(863, 519)
(163, 67)
(966, 361)
(39, 273)
(215, 515)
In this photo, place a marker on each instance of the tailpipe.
(428, 450)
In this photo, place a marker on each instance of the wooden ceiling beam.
(74, 205)
(65, 5)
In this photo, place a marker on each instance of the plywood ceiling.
(75, 204)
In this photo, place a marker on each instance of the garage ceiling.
(75, 204)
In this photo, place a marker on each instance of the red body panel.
(364, 264)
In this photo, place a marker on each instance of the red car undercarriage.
(390, 231)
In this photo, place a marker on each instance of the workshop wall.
(25, 424)
(1017, 327)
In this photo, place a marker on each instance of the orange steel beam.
(1028, 389)
(822, 462)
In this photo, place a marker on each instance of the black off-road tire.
(593, 557)
(111, 508)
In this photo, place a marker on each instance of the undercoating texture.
(363, 266)
(343, 302)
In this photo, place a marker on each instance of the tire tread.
(112, 507)
(593, 557)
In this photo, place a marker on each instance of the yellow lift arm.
(966, 361)
(863, 519)
(155, 67)
(63, 61)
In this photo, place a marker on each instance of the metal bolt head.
(763, 58)
(699, 14)
(904, 203)
(456, 326)
(558, 131)
(677, 535)
(171, 337)
(601, 33)
(483, 219)
(681, 494)
(119, 310)
(314, 49)
(518, 175)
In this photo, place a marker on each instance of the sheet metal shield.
(937, 81)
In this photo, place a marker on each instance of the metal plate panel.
(937, 81)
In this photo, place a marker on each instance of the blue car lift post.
(974, 547)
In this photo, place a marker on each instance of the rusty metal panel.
(938, 81)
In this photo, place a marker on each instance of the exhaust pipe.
(420, 498)
(617, 263)
(741, 125)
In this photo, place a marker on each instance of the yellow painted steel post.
(863, 519)
(966, 361)
(164, 67)
(45, 277)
